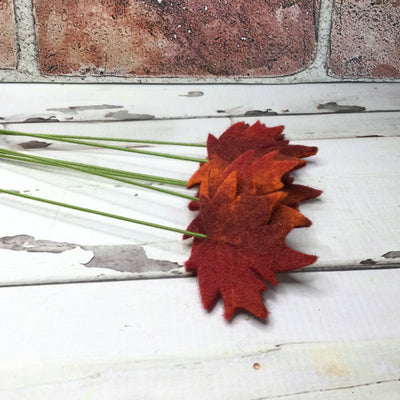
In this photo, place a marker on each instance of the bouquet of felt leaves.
(246, 205)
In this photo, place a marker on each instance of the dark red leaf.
(245, 246)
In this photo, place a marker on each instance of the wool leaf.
(224, 155)
(248, 204)
(245, 246)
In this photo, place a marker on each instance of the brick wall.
(199, 40)
(8, 49)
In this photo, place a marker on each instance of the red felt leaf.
(247, 206)
(241, 137)
(229, 216)
(297, 193)
(245, 245)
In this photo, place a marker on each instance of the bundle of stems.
(126, 177)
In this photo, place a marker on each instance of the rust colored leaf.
(225, 154)
(241, 137)
(247, 206)
(245, 246)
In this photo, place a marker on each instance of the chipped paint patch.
(76, 109)
(391, 254)
(260, 113)
(126, 258)
(368, 261)
(338, 108)
(121, 258)
(34, 144)
(30, 244)
(193, 93)
(125, 115)
(52, 118)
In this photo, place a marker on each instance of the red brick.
(365, 39)
(8, 50)
(175, 38)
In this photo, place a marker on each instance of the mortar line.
(27, 55)
(317, 71)
(324, 32)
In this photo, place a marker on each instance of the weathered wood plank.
(49, 102)
(355, 222)
(297, 127)
(328, 333)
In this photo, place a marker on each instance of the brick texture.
(365, 39)
(8, 51)
(175, 37)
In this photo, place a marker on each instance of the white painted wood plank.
(371, 391)
(297, 127)
(355, 222)
(78, 102)
(328, 332)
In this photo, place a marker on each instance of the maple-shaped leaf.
(223, 270)
(298, 193)
(203, 172)
(245, 246)
(225, 154)
(241, 137)
(264, 174)
(229, 211)
(255, 175)
(238, 273)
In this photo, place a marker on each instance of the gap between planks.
(247, 114)
(186, 275)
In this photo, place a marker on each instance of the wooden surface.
(334, 328)
(330, 334)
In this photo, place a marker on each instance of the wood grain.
(328, 332)
(355, 222)
(332, 334)
(96, 102)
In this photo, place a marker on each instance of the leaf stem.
(126, 140)
(104, 146)
(101, 213)
(110, 171)
(62, 164)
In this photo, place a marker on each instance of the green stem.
(109, 171)
(104, 146)
(102, 213)
(103, 175)
(125, 140)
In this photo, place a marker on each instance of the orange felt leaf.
(258, 176)
(248, 204)
(225, 155)
(229, 212)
